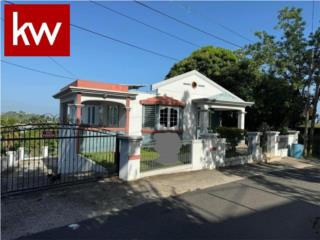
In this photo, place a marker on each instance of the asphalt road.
(279, 205)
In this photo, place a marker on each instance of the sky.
(99, 59)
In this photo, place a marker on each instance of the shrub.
(232, 135)
(284, 131)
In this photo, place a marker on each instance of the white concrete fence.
(12, 157)
(207, 153)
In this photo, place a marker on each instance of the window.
(173, 117)
(164, 117)
(169, 118)
(113, 116)
(149, 116)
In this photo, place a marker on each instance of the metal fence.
(152, 159)
(42, 156)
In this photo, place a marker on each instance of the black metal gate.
(47, 155)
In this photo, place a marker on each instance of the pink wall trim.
(134, 157)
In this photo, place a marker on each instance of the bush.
(284, 131)
(232, 135)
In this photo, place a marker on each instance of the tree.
(229, 69)
(314, 66)
(249, 78)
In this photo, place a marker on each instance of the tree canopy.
(273, 72)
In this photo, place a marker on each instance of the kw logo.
(37, 30)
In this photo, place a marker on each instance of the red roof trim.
(162, 100)
(99, 85)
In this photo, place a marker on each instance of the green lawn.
(147, 162)
(105, 159)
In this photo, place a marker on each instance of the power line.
(124, 43)
(188, 8)
(62, 67)
(145, 24)
(187, 24)
(35, 70)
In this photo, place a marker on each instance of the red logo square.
(37, 30)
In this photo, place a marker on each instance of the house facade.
(188, 104)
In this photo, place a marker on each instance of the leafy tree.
(293, 59)
(229, 69)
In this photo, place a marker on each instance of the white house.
(186, 104)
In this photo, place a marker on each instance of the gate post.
(272, 143)
(129, 159)
(254, 145)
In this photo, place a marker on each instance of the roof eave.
(94, 92)
(220, 102)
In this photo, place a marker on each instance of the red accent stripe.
(134, 157)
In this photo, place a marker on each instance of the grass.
(105, 159)
(148, 160)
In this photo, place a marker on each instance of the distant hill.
(13, 118)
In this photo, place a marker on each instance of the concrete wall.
(208, 153)
(135, 124)
(280, 145)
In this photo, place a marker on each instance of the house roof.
(99, 85)
(95, 87)
(162, 100)
(225, 95)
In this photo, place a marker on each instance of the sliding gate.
(47, 155)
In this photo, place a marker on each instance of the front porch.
(105, 114)
(212, 114)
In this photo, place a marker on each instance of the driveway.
(279, 205)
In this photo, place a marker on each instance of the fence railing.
(152, 159)
(39, 156)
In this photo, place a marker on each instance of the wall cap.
(254, 133)
(293, 132)
(130, 137)
(272, 132)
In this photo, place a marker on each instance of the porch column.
(78, 108)
(241, 117)
(204, 119)
(127, 115)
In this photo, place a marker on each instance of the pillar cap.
(293, 132)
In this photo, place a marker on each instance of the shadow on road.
(282, 205)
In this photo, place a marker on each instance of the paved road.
(279, 205)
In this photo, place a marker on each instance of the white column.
(45, 151)
(129, 167)
(204, 119)
(21, 153)
(241, 119)
(10, 158)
